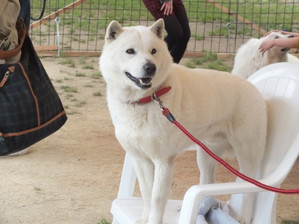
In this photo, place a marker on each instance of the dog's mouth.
(143, 83)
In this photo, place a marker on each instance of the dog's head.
(135, 57)
(278, 51)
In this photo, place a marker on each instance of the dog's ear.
(158, 28)
(113, 31)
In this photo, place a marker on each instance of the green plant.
(80, 74)
(88, 66)
(97, 93)
(67, 61)
(96, 75)
(290, 221)
(103, 221)
(210, 61)
(69, 89)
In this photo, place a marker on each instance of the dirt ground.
(72, 176)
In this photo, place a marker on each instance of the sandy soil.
(72, 176)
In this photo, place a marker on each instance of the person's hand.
(266, 45)
(167, 7)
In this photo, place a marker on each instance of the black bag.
(30, 108)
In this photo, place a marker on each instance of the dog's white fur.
(292, 59)
(224, 111)
(249, 59)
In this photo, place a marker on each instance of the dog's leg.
(207, 164)
(249, 162)
(145, 174)
(206, 167)
(161, 188)
(246, 210)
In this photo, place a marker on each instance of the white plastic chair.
(279, 84)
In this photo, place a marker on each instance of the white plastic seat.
(279, 84)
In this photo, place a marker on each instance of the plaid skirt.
(154, 7)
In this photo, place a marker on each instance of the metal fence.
(220, 26)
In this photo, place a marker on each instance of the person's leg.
(176, 25)
(174, 35)
(178, 34)
(181, 46)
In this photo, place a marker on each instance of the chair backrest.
(279, 84)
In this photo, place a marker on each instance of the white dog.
(224, 111)
(249, 59)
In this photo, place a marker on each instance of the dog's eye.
(276, 37)
(130, 51)
(154, 51)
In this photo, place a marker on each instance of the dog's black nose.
(149, 69)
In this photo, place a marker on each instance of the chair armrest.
(196, 193)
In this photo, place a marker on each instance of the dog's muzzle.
(149, 70)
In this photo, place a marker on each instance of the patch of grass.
(72, 112)
(190, 64)
(80, 74)
(103, 221)
(88, 66)
(209, 57)
(218, 65)
(198, 37)
(97, 93)
(290, 221)
(68, 61)
(37, 189)
(69, 96)
(210, 61)
(219, 32)
(96, 75)
(69, 110)
(69, 89)
(82, 60)
(62, 54)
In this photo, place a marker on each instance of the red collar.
(158, 93)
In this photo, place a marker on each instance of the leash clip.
(158, 101)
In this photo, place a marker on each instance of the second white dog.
(249, 59)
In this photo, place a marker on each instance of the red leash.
(170, 117)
